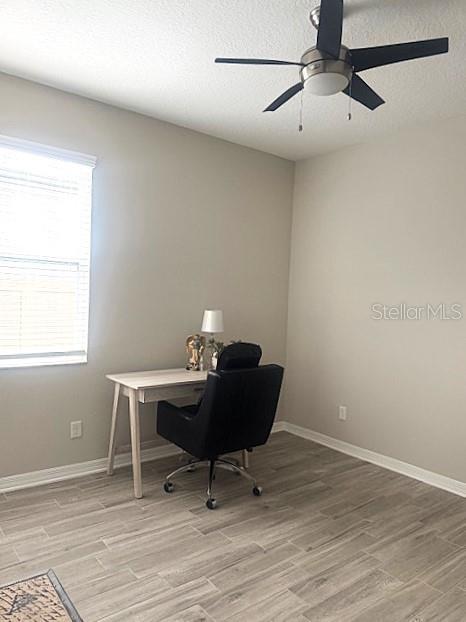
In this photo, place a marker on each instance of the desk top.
(158, 378)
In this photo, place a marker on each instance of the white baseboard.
(404, 468)
(71, 471)
(279, 426)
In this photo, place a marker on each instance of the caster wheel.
(211, 504)
(257, 491)
(168, 487)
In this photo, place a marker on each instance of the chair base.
(190, 461)
(222, 463)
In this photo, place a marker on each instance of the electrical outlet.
(342, 413)
(76, 429)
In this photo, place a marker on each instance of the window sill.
(40, 361)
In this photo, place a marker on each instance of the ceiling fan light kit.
(330, 67)
(324, 75)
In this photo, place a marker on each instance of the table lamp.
(212, 323)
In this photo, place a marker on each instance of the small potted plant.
(216, 348)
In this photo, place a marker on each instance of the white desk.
(143, 387)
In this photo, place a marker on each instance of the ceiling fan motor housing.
(323, 74)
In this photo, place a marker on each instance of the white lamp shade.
(212, 321)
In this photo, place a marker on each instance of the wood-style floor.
(332, 538)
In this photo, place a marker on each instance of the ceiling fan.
(331, 67)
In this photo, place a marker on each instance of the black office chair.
(236, 412)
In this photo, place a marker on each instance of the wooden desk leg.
(112, 444)
(245, 459)
(135, 442)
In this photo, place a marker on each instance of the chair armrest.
(174, 411)
(177, 425)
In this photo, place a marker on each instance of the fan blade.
(362, 92)
(330, 27)
(256, 61)
(284, 97)
(366, 58)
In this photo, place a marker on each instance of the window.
(45, 226)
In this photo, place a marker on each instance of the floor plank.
(449, 608)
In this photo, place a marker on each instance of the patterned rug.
(38, 599)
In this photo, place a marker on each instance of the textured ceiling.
(156, 57)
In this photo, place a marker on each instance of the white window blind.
(45, 226)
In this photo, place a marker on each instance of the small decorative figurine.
(195, 345)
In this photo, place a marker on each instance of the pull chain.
(350, 116)
(301, 112)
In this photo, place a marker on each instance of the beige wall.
(181, 222)
(382, 223)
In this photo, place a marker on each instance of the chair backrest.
(239, 355)
(238, 409)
